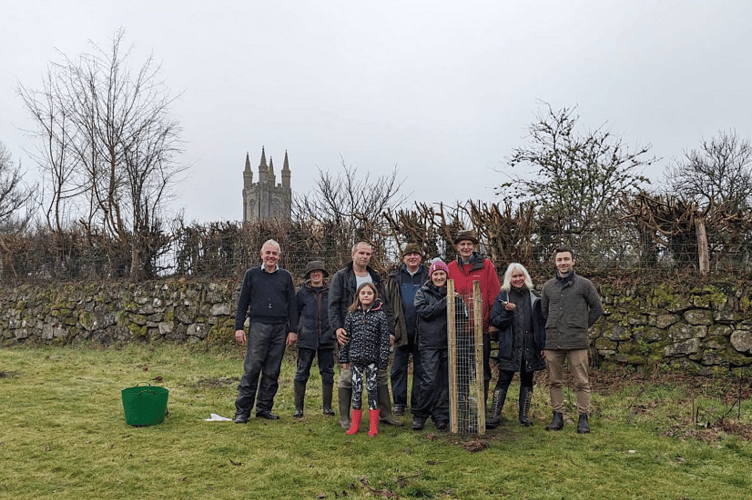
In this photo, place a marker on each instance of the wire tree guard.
(465, 338)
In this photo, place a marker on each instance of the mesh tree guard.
(465, 337)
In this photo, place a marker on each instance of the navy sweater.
(270, 297)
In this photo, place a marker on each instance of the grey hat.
(466, 234)
(315, 265)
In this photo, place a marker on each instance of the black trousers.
(433, 391)
(305, 361)
(263, 359)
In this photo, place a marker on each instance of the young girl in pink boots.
(367, 351)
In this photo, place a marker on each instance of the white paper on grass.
(217, 418)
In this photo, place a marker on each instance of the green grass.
(64, 435)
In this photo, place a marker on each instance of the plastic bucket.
(144, 405)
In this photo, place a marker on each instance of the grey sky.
(444, 90)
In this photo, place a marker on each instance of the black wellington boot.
(299, 398)
(326, 396)
(526, 396)
(497, 404)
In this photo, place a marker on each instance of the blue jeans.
(266, 347)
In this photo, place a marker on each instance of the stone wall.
(113, 313)
(701, 329)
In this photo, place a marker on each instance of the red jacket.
(479, 269)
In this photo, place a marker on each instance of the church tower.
(266, 199)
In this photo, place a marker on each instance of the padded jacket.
(479, 269)
(431, 306)
(314, 331)
(368, 333)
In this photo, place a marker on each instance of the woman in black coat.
(431, 307)
(315, 337)
(522, 338)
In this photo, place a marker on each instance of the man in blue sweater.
(267, 298)
(401, 286)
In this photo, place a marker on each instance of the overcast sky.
(442, 89)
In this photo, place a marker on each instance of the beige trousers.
(578, 365)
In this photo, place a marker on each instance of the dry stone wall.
(702, 329)
(116, 313)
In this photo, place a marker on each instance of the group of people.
(361, 318)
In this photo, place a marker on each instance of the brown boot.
(344, 396)
(385, 405)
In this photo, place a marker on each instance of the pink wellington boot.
(373, 428)
(355, 422)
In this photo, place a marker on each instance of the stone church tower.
(266, 199)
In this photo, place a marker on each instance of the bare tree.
(578, 179)
(15, 196)
(349, 202)
(347, 196)
(719, 173)
(716, 181)
(52, 153)
(107, 146)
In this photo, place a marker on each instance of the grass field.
(63, 435)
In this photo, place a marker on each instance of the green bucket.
(144, 405)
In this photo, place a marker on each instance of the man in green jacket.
(401, 286)
(570, 304)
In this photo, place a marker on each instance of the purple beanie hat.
(438, 266)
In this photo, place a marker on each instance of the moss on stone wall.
(647, 326)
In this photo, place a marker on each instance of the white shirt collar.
(263, 268)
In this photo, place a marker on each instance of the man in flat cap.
(401, 285)
(470, 266)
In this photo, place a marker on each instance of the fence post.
(452, 358)
(479, 374)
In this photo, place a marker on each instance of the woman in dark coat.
(522, 338)
(431, 306)
(315, 337)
